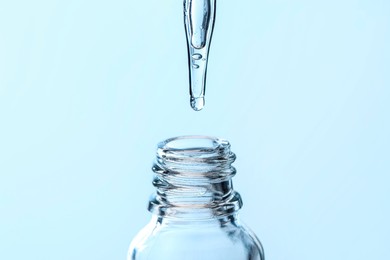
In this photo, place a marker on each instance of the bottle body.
(195, 208)
(223, 239)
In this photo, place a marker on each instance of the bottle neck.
(193, 179)
(221, 221)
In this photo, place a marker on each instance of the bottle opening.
(195, 149)
(193, 142)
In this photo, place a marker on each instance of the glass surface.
(195, 207)
(199, 17)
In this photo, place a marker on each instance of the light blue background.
(300, 88)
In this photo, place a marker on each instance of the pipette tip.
(197, 103)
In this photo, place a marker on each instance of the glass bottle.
(195, 209)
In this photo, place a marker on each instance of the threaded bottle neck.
(193, 178)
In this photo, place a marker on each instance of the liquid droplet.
(195, 66)
(197, 104)
(196, 56)
(202, 191)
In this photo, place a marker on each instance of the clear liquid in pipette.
(199, 17)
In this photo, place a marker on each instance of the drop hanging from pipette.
(199, 17)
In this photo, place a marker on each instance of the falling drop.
(197, 103)
(195, 66)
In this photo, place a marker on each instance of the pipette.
(199, 17)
